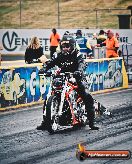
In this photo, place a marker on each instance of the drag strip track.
(20, 142)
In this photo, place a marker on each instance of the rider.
(70, 60)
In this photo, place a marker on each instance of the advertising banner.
(105, 74)
(15, 41)
(23, 85)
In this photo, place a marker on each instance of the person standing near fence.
(101, 37)
(54, 41)
(34, 51)
(85, 47)
(112, 45)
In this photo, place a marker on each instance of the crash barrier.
(106, 74)
(21, 86)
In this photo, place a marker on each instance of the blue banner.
(23, 85)
(103, 75)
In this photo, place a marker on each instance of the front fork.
(63, 94)
(60, 111)
(44, 108)
(74, 121)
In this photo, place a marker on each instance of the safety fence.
(21, 85)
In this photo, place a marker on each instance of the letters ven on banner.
(15, 41)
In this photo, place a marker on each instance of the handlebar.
(33, 61)
(48, 74)
(36, 61)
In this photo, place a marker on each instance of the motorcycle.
(63, 107)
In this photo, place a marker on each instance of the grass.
(124, 1)
(44, 13)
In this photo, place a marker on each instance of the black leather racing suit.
(71, 63)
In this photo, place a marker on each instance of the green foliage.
(124, 1)
(9, 9)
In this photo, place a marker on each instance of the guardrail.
(21, 86)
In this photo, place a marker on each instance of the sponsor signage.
(23, 85)
(15, 41)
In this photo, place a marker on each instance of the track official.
(54, 41)
(111, 44)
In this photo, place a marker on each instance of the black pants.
(88, 101)
(52, 50)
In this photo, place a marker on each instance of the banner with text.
(23, 85)
(15, 41)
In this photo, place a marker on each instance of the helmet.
(67, 33)
(68, 42)
(79, 32)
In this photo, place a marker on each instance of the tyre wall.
(21, 86)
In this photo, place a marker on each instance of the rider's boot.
(92, 126)
(42, 126)
(91, 116)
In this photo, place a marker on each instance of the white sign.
(15, 41)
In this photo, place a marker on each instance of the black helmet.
(68, 42)
(67, 33)
(79, 32)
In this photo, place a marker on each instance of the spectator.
(95, 38)
(117, 35)
(54, 41)
(101, 37)
(111, 44)
(34, 51)
(85, 48)
(118, 38)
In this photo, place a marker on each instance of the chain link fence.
(57, 13)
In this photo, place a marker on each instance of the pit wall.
(21, 86)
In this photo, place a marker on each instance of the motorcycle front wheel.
(52, 108)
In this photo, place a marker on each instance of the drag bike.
(63, 107)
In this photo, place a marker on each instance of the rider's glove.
(42, 71)
(44, 65)
(77, 75)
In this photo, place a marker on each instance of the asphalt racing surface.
(21, 143)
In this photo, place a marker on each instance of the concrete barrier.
(20, 84)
